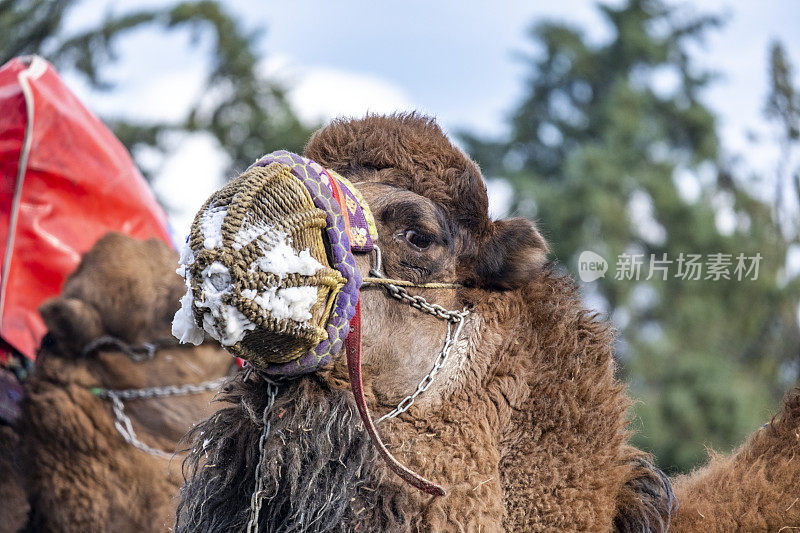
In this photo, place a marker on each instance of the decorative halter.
(270, 273)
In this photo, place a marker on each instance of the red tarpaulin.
(66, 181)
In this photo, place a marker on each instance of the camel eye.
(420, 240)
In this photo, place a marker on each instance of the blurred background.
(629, 126)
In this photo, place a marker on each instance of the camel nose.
(259, 269)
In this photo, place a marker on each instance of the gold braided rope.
(404, 283)
(274, 197)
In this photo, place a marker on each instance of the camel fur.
(526, 426)
(756, 488)
(13, 499)
(77, 471)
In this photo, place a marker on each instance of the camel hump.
(123, 287)
(765, 469)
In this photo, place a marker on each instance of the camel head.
(116, 305)
(292, 454)
(113, 394)
(431, 211)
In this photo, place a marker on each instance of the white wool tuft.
(282, 259)
(298, 302)
(211, 226)
(187, 259)
(294, 303)
(183, 326)
(249, 232)
(223, 322)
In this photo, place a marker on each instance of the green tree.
(248, 114)
(783, 109)
(614, 151)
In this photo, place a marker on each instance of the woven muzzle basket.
(264, 208)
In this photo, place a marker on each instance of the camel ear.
(513, 254)
(72, 323)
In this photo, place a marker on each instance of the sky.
(458, 61)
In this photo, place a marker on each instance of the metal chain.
(258, 491)
(425, 383)
(418, 302)
(125, 428)
(123, 423)
(160, 392)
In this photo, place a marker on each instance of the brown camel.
(13, 499)
(525, 426)
(79, 473)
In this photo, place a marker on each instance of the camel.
(77, 471)
(525, 425)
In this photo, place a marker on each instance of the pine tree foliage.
(246, 113)
(783, 109)
(614, 150)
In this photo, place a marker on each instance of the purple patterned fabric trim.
(360, 238)
(315, 179)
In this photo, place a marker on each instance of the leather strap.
(352, 345)
(353, 349)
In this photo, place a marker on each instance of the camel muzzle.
(269, 268)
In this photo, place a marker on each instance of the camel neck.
(160, 422)
(565, 463)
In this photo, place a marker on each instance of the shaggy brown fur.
(80, 474)
(757, 488)
(566, 465)
(410, 152)
(13, 499)
(530, 433)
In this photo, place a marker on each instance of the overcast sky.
(454, 60)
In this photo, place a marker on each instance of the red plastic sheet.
(78, 184)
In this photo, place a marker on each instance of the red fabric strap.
(353, 347)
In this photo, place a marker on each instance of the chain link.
(420, 303)
(143, 352)
(257, 497)
(441, 359)
(123, 423)
(453, 318)
(160, 392)
(417, 302)
(125, 428)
